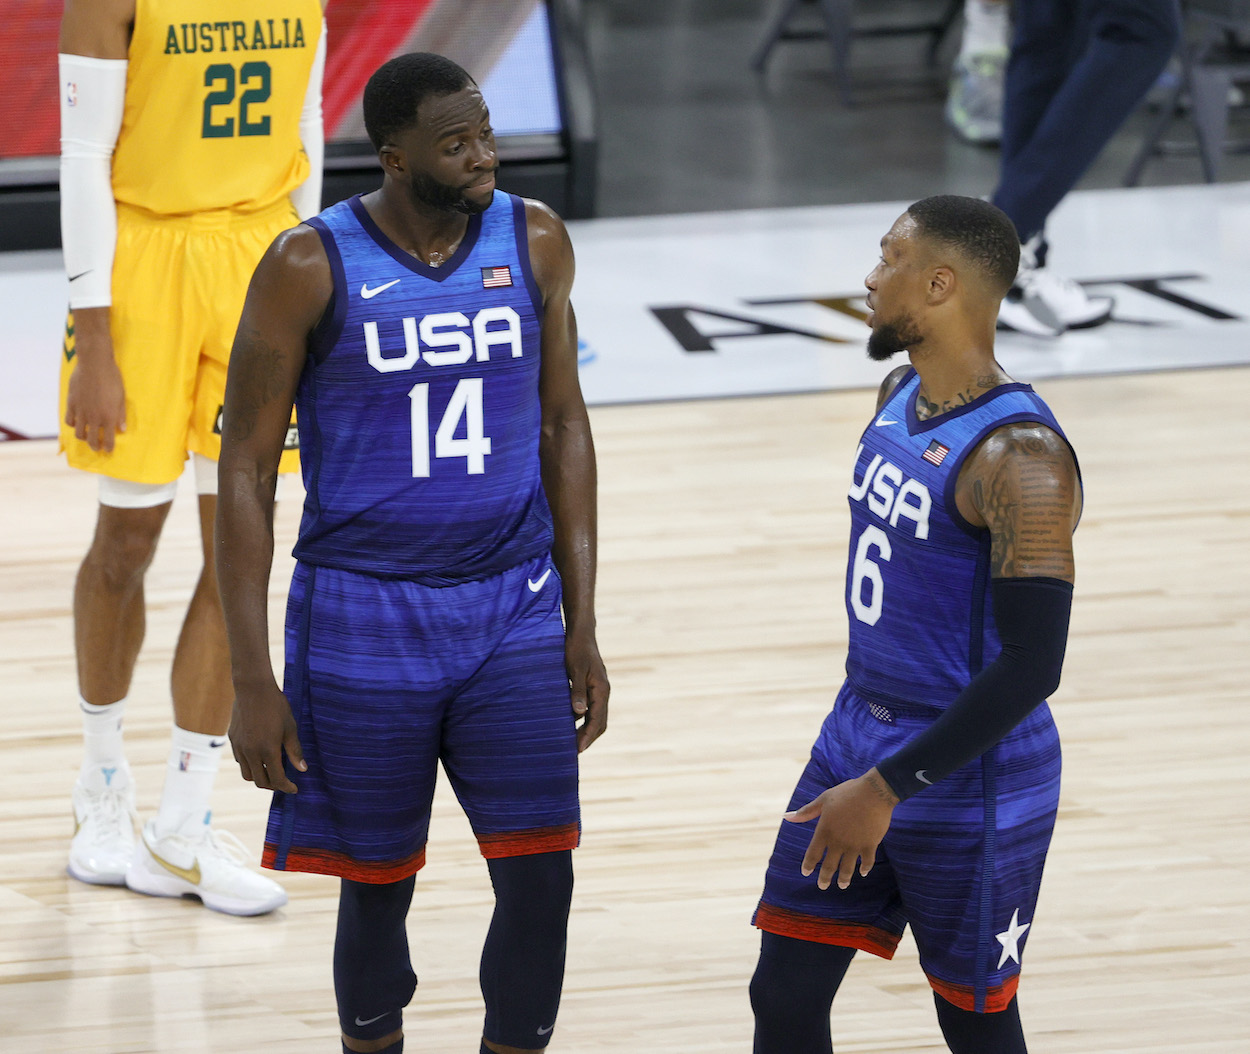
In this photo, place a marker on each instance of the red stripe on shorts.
(964, 995)
(325, 862)
(826, 931)
(527, 843)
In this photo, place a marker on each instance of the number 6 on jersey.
(466, 402)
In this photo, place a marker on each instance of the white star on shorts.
(1010, 939)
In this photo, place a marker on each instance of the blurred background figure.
(1078, 68)
(974, 103)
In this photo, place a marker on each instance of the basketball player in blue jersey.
(424, 332)
(932, 788)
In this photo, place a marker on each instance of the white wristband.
(93, 98)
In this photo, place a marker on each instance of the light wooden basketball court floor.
(723, 545)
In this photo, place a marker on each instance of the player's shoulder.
(890, 385)
(551, 251)
(541, 219)
(1024, 439)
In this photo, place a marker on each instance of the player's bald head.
(978, 235)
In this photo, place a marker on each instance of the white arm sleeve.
(93, 97)
(307, 196)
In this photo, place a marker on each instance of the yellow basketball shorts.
(178, 288)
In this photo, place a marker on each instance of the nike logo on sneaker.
(544, 1031)
(921, 777)
(881, 422)
(108, 775)
(370, 1021)
(534, 588)
(187, 874)
(367, 294)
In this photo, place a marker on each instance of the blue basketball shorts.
(961, 863)
(386, 679)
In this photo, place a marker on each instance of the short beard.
(443, 197)
(889, 338)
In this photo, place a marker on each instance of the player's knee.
(967, 1032)
(795, 981)
(125, 543)
(536, 890)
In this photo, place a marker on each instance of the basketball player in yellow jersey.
(186, 147)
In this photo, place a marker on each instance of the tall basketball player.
(932, 789)
(187, 145)
(424, 332)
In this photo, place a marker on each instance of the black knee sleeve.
(523, 958)
(967, 1032)
(792, 992)
(373, 978)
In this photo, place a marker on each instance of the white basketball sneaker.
(104, 834)
(1044, 304)
(211, 865)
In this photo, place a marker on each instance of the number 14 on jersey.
(466, 403)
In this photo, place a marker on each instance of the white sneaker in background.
(1045, 304)
(104, 834)
(211, 865)
(974, 100)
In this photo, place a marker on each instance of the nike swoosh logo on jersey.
(881, 422)
(361, 1024)
(367, 294)
(544, 1031)
(80, 274)
(534, 588)
(921, 777)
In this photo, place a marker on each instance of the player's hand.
(261, 728)
(853, 818)
(95, 403)
(588, 687)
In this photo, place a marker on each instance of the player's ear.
(392, 160)
(941, 285)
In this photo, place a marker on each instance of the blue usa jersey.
(918, 575)
(418, 406)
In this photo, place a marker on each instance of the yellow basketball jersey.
(212, 108)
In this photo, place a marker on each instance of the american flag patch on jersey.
(936, 453)
(495, 277)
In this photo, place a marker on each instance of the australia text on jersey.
(190, 38)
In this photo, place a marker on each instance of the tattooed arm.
(1021, 485)
(288, 294)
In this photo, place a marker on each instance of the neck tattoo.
(926, 408)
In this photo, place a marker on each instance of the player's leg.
(810, 934)
(109, 621)
(366, 684)
(180, 853)
(792, 994)
(510, 751)
(969, 853)
(373, 976)
(967, 1032)
(522, 968)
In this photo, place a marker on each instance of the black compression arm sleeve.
(1031, 616)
